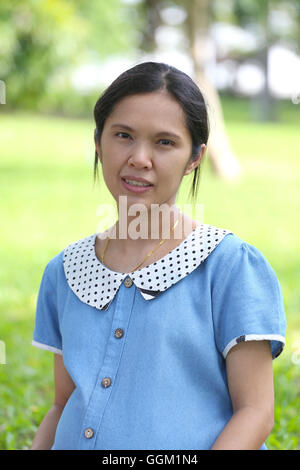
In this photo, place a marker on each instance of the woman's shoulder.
(53, 267)
(233, 244)
(225, 240)
(233, 249)
(56, 263)
(234, 255)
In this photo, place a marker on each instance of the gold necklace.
(149, 254)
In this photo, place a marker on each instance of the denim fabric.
(168, 387)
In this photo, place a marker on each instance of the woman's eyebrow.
(124, 126)
(169, 134)
(162, 133)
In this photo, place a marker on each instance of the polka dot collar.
(96, 285)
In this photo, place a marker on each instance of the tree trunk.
(224, 161)
(267, 103)
(153, 20)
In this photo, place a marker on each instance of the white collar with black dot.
(96, 285)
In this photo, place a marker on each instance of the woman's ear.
(196, 161)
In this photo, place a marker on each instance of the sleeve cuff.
(46, 347)
(275, 351)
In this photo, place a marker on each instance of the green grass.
(48, 200)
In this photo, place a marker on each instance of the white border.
(46, 347)
(252, 338)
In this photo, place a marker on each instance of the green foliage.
(258, 12)
(41, 41)
(48, 200)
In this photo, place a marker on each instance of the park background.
(56, 57)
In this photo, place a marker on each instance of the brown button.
(106, 382)
(119, 333)
(88, 433)
(128, 282)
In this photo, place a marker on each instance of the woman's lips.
(135, 189)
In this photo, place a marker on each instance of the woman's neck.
(148, 226)
(142, 235)
(123, 254)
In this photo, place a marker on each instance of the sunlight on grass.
(48, 201)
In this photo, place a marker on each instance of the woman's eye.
(123, 135)
(166, 142)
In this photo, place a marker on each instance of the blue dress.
(146, 350)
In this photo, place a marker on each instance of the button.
(88, 433)
(106, 382)
(128, 282)
(119, 333)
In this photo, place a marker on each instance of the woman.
(163, 341)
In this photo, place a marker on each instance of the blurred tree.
(258, 13)
(196, 28)
(42, 38)
(149, 10)
(199, 18)
(273, 21)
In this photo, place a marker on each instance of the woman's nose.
(141, 156)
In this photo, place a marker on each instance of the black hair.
(154, 76)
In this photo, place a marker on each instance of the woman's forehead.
(156, 107)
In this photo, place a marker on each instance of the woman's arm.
(64, 386)
(44, 437)
(250, 382)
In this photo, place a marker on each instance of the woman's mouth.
(136, 186)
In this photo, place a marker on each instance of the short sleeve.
(248, 303)
(46, 334)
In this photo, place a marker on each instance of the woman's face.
(145, 136)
